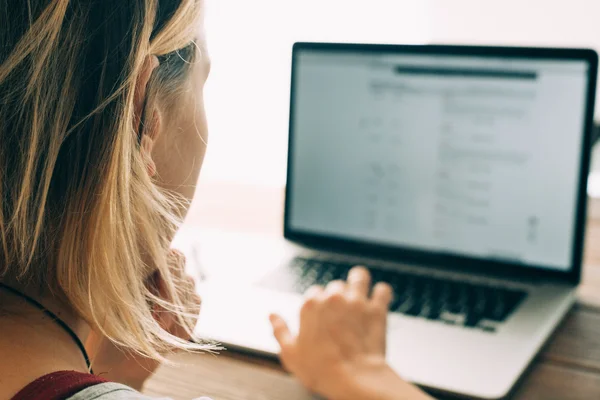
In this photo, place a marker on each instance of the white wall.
(247, 95)
(531, 22)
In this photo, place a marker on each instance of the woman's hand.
(118, 365)
(339, 352)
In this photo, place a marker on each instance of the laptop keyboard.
(437, 299)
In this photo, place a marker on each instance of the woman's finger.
(287, 341)
(335, 287)
(281, 331)
(312, 302)
(359, 281)
(313, 292)
(382, 295)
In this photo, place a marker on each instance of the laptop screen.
(473, 156)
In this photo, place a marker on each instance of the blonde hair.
(79, 215)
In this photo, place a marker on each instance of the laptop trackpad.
(227, 311)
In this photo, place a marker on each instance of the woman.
(102, 135)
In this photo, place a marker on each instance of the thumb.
(281, 332)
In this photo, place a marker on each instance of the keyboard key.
(415, 309)
(473, 319)
(453, 308)
(433, 314)
(514, 299)
(377, 276)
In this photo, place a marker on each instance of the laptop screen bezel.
(440, 260)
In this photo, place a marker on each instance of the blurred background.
(247, 96)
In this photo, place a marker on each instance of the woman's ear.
(141, 89)
(149, 131)
(149, 134)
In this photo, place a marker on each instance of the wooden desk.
(568, 367)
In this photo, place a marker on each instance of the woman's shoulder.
(110, 391)
(114, 391)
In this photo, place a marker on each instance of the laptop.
(456, 174)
